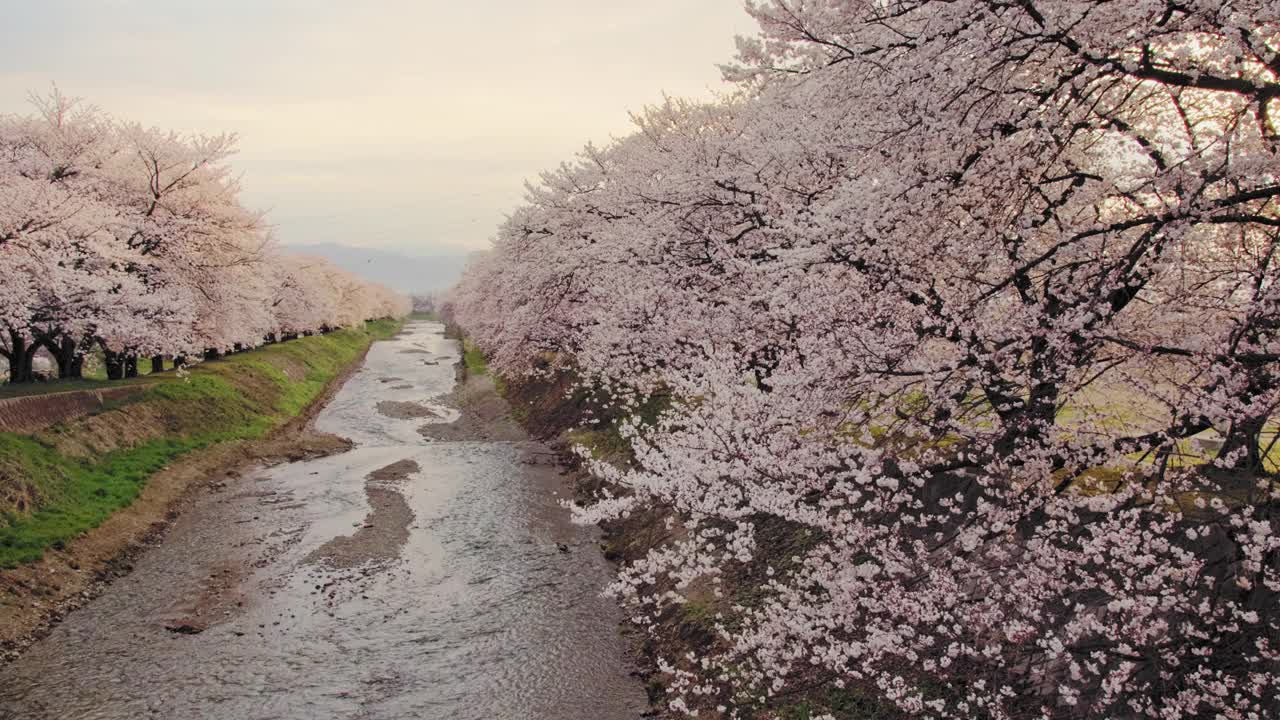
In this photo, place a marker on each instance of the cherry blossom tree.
(56, 265)
(957, 296)
(134, 240)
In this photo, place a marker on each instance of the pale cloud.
(389, 123)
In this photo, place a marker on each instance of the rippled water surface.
(406, 578)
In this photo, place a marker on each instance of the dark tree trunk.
(179, 361)
(77, 366)
(1245, 435)
(66, 350)
(21, 355)
(1244, 438)
(67, 357)
(28, 363)
(115, 364)
(17, 350)
(212, 354)
(131, 366)
(237, 348)
(1025, 421)
(157, 363)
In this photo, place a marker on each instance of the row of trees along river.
(949, 344)
(132, 241)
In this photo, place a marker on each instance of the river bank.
(82, 500)
(568, 415)
(424, 572)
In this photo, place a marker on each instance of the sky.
(401, 125)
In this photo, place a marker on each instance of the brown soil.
(386, 528)
(36, 596)
(404, 410)
(217, 598)
(485, 415)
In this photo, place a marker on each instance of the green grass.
(603, 444)
(841, 704)
(1271, 446)
(243, 396)
(474, 359)
(85, 494)
(383, 329)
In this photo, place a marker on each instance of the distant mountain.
(406, 273)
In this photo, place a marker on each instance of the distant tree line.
(132, 241)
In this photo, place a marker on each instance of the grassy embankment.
(474, 359)
(58, 483)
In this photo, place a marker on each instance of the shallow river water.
(406, 578)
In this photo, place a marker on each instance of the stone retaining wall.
(31, 413)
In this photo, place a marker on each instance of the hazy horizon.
(385, 125)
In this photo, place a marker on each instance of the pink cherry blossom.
(974, 301)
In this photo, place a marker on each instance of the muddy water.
(407, 578)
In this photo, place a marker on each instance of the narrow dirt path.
(426, 573)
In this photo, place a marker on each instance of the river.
(405, 578)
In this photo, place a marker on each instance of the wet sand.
(418, 575)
